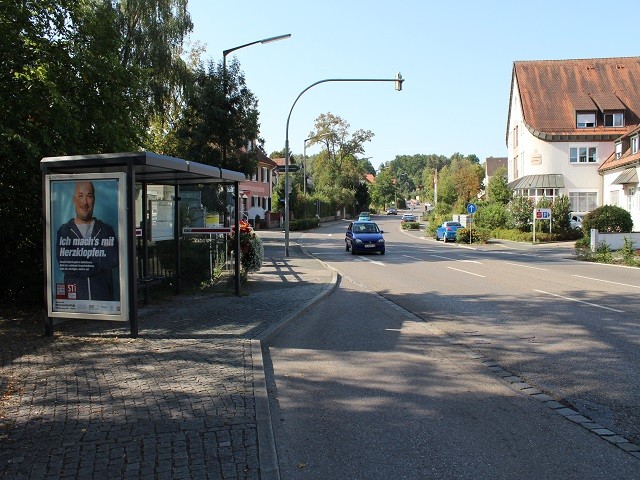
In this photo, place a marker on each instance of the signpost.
(540, 214)
(292, 168)
(471, 209)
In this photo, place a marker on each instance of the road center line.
(579, 301)
(413, 258)
(464, 271)
(525, 266)
(446, 258)
(608, 281)
(365, 259)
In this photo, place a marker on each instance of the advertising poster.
(86, 261)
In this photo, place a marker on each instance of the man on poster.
(87, 250)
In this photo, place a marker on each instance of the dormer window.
(614, 119)
(618, 150)
(586, 120)
(635, 144)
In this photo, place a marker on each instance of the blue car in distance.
(364, 237)
(447, 231)
(364, 216)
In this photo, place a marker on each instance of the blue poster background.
(62, 210)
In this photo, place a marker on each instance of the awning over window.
(630, 175)
(538, 181)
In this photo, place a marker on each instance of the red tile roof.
(493, 163)
(551, 91)
(626, 158)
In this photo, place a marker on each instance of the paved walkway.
(184, 400)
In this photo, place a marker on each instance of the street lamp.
(398, 86)
(224, 72)
(224, 147)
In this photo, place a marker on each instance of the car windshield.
(454, 224)
(365, 228)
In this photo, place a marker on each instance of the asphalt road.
(384, 380)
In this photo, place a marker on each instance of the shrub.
(608, 219)
(513, 235)
(603, 253)
(491, 216)
(520, 213)
(478, 235)
(410, 226)
(560, 213)
(628, 252)
(303, 224)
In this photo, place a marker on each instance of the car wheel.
(381, 252)
(353, 250)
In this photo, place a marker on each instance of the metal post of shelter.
(131, 252)
(237, 239)
(176, 234)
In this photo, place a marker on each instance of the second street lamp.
(398, 80)
(224, 144)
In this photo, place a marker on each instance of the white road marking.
(608, 281)
(525, 266)
(365, 259)
(446, 258)
(579, 301)
(464, 271)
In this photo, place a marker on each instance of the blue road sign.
(471, 208)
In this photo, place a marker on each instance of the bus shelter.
(91, 234)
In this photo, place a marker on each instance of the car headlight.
(358, 240)
(381, 240)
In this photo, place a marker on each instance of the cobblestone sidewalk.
(181, 401)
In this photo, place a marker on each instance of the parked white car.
(576, 220)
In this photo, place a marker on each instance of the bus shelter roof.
(147, 167)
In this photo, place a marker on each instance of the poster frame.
(118, 309)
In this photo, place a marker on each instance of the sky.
(456, 58)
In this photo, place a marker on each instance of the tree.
(337, 173)
(383, 191)
(460, 182)
(152, 33)
(64, 92)
(498, 190)
(211, 120)
(521, 211)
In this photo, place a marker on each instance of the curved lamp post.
(224, 149)
(398, 84)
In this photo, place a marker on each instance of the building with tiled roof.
(565, 119)
(255, 198)
(620, 173)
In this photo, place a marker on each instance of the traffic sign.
(542, 213)
(472, 208)
(292, 168)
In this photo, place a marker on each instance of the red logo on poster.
(71, 291)
(61, 291)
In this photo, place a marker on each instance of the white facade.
(530, 155)
(624, 196)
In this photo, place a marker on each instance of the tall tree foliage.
(337, 172)
(497, 189)
(152, 34)
(461, 181)
(384, 190)
(211, 120)
(68, 87)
